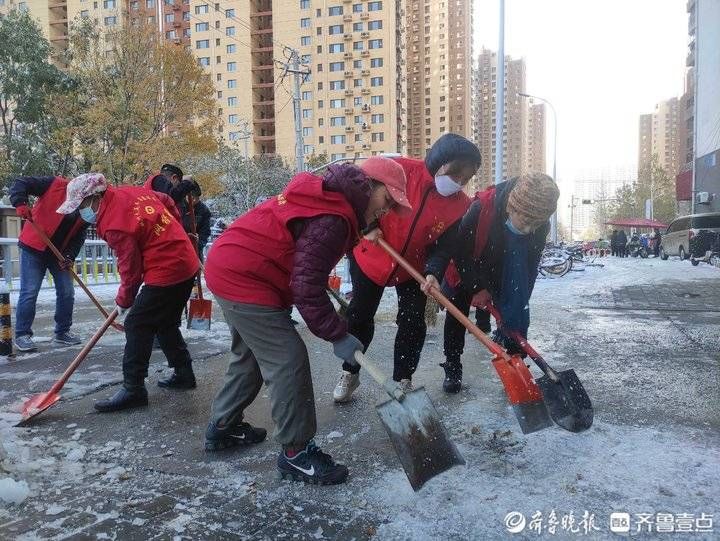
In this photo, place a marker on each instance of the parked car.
(678, 239)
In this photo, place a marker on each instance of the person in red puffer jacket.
(151, 247)
(277, 255)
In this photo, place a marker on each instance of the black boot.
(453, 376)
(128, 396)
(183, 378)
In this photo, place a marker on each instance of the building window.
(199, 10)
(375, 25)
(376, 81)
(358, 46)
(109, 4)
(376, 62)
(377, 137)
(339, 156)
(337, 85)
(232, 119)
(357, 8)
(337, 104)
(358, 27)
(337, 66)
(202, 27)
(374, 6)
(307, 95)
(84, 14)
(337, 120)
(308, 149)
(170, 18)
(358, 137)
(375, 44)
(357, 83)
(357, 64)
(232, 48)
(376, 100)
(336, 48)
(134, 5)
(357, 100)
(110, 21)
(304, 4)
(230, 31)
(321, 104)
(336, 29)
(335, 10)
(171, 35)
(204, 61)
(232, 83)
(307, 132)
(377, 119)
(337, 139)
(202, 44)
(234, 135)
(305, 40)
(307, 113)
(229, 13)
(305, 23)
(232, 66)
(232, 101)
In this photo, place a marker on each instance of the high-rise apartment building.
(51, 16)
(439, 71)
(524, 125)
(663, 133)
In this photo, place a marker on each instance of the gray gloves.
(346, 347)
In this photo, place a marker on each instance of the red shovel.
(79, 281)
(40, 402)
(200, 311)
(520, 387)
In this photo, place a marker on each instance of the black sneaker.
(453, 377)
(66, 339)
(181, 379)
(217, 439)
(312, 466)
(125, 398)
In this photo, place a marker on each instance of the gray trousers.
(266, 347)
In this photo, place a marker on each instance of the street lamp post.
(553, 220)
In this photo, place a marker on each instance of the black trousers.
(410, 320)
(156, 312)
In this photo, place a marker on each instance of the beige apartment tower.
(664, 133)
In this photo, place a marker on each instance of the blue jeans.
(32, 272)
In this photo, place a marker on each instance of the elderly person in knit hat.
(496, 256)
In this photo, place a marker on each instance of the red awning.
(683, 186)
(637, 222)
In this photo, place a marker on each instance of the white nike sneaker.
(346, 386)
(406, 385)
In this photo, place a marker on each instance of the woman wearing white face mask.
(435, 190)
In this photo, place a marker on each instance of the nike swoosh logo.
(310, 471)
(240, 437)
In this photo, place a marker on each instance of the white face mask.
(446, 186)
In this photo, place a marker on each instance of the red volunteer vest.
(482, 231)
(45, 215)
(168, 256)
(410, 232)
(252, 261)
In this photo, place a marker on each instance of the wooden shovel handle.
(494, 348)
(193, 227)
(61, 259)
(83, 353)
(390, 386)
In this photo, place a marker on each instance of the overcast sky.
(600, 62)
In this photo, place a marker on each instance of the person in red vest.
(151, 247)
(278, 254)
(497, 252)
(435, 191)
(67, 233)
(170, 182)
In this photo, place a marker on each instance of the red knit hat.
(390, 173)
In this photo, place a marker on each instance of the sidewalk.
(650, 366)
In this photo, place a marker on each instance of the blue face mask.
(514, 230)
(88, 215)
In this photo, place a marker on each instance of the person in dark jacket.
(613, 242)
(170, 182)
(657, 239)
(280, 254)
(499, 244)
(202, 218)
(622, 241)
(67, 233)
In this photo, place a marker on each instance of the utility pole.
(245, 134)
(500, 98)
(298, 77)
(572, 214)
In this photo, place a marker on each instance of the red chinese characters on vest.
(252, 261)
(411, 232)
(168, 255)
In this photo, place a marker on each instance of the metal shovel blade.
(199, 314)
(568, 403)
(36, 405)
(419, 437)
(523, 394)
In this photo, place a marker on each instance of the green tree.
(314, 161)
(28, 84)
(653, 183)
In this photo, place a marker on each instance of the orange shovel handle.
(193, 227)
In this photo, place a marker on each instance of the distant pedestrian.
(657, 237)
(202, 218)
(613, 242)
(622, 243)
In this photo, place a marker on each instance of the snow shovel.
(520, 387)
(40, 402)
(565, 396)
(79, 281)
(341, 301)
(420, 440)
(200, 312)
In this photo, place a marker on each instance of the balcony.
(349, 129)
(365, 91)
(364, 16)
(264, 137)
(348, 37)
(348, 56)
(263, 85)
(349, 111)
(264, 103)
(264, 120)
(348, 92)
(365, 54)
(263, 67)
(347, 18)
